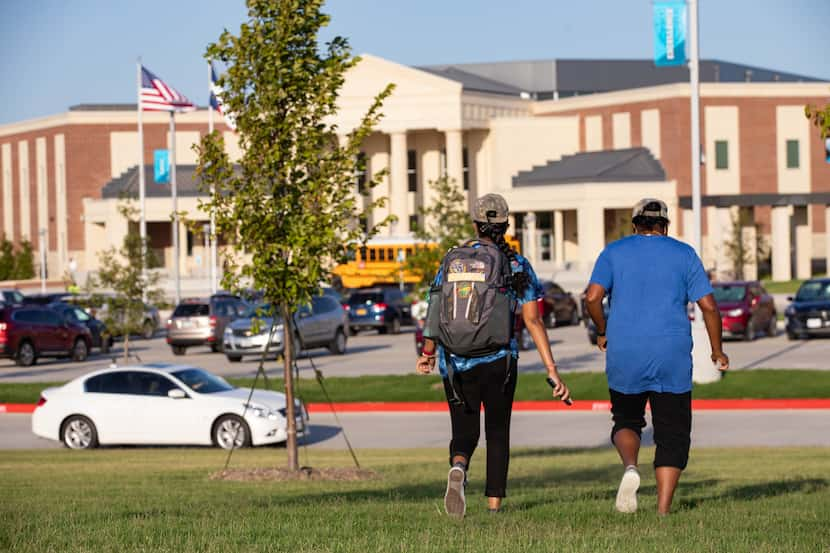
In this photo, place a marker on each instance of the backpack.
(470, 313)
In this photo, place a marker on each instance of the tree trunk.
(288, 357)
(127, 347)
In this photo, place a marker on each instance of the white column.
(379, 159)
(8, 198)
(25, 190)
(558, 236)
(42, 181)
(590, 224)
(60, 202)
(398, 183)
(749, 235)
(803, 242)
(529, 238)
(455, 161)
(781, 265)
(726, 266)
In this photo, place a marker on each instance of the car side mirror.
(789, 298)
(176, 393)
(304, 314)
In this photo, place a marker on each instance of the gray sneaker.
(627, 493)
(454, 502)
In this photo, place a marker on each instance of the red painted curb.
(545, 405)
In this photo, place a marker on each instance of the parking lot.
(372, 354)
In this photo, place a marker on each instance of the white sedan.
(161, 404)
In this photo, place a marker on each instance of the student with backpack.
(469, 334)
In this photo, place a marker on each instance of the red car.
(745, 309)
(31, 331)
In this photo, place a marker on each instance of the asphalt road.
(529, 429)
(371, 353)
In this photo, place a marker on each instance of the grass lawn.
(752, 500)
(765, 383)
(782, 286)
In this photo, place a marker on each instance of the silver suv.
(323, 324)
(199, 322)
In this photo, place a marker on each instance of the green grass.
(782, 286)
(160, 500)
(765, 383)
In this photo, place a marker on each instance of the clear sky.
(57, 53)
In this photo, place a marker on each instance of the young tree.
(24, 262)
(290, 204)
(7, 259)
(446, 224)
(122, 272)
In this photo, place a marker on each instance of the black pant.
(490, 384)
(671, 415)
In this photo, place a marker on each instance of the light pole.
(42, 246)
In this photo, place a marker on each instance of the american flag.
(216, 100)
(156, 95)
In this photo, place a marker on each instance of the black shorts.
(671, 415)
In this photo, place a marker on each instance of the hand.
(602, 343)
(560, 390)
(425, 365)
(721, 359)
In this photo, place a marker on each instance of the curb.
(546, 405)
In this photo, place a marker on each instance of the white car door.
(164, 419)
(114, 408)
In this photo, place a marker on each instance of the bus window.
(351, 255)
(372, 254)
(390, 254)
(381, 254)
(362, 253)
(408, 252)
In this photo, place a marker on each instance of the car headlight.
(262, 412)
(789, 311)
(735, 312)
(228, 331)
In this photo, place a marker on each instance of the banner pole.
(213, 260)
(174, 193)
(142, 225)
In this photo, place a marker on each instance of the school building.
(571, 144)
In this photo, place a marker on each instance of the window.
(108, 383)
(412, 170)
(721, 154)
(202, 381)
(149, 384)
(192, 310)
(25, 316)
(190, 240)
(465, 159)
(792, 154)
(413, 222)
(382, 254)
(360, 173)
(373, 255)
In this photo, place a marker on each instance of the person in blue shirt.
(650, 279)
(491, 379)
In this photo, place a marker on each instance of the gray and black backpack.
(470, 313)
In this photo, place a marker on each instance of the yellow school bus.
(381, 261)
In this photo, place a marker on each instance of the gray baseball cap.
(490, 208)
(658, 210)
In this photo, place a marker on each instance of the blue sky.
(56, 53)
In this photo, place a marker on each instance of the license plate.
(361, 312)
(814, 323)
(185, 324)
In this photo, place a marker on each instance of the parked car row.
(809, 313)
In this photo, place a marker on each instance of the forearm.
(429, 346)
(714, 328)
(595, 311)
(540, 338)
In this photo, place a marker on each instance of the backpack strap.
(457, 398)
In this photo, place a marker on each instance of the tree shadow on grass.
(760, 491)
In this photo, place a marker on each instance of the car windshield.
(202, 381)
(260, 310)
(80, 314)
(192, 310)
(813, 291)
(359, 298)
(725, 294)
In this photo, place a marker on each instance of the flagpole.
(174, 193)
(213, 271)
(142, 225)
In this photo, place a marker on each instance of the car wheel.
(80, 351)
(231, 432)
(338, 344)
(352, 331)
(148, 330)
(179, 350)
(772, 328)
(525, 340)
(78, 432)
(26, 355)
(234, 358)
(574, 316)
(106, 344)
(216, 347)
(550, 320)
(395, 326)
(749, 332)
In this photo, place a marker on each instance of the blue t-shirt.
(650, 281)
(533, 292)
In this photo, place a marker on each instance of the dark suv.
(382, 308)
(30, 331)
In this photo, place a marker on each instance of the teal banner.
(670, 33)
(161, 166)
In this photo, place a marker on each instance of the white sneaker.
(627, 494)
(454, 502)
